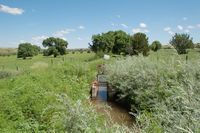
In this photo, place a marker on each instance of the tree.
(181, 43)
(139, 44)
(122, 41)
(112, 41)
(36, 49)
(55, 46)
(25, 50)
(155, 46)
(102, 42)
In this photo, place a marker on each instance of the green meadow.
(46, 94)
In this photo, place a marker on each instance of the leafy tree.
(155, 46)
(122, 41)
(139, 44)
(112, 41)
(36, 49)
(25, 50)
(102, 42)
(181, 43)
(55, 46)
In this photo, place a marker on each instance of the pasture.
(46, 94)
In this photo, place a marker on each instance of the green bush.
(4, 74)
(163, 96)
(181, 43)
(155, 46)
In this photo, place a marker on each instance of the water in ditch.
(112, 110)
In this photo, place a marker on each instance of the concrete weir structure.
(100, 89)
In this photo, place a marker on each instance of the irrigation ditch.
(103, 98)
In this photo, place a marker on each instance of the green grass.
(46, 94)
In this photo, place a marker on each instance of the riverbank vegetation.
(162, 90)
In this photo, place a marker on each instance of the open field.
(46, 94)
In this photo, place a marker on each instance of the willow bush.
(164, 97)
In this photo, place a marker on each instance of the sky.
(77, 20)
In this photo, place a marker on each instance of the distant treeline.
(78, 50)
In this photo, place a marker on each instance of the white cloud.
(36, 38)
(180, 27)
(185, 18)
(136, 30)
(64, 38)
(198, 25)
(22, 41)
(186, 31)
(167, 28)
(79, 38)
(39, 39)
(10, 10)
(118, 16)
(61, 33)
(124, 25)
(146, 31)
(112, 24)
(81, 27)
(171, 32)
(190, 27)
(143, 25)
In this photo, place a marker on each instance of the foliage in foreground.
(164, 97)
(51, 98)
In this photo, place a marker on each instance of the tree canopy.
(110, 42)
(27, 50)
(139, 44)
(181, 43)
(155, 46)
(55, 46)
(119, 42)
(122, 41)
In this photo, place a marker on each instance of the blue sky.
(77, 20)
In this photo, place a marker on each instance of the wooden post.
(186, 58)
(51, 61)
(17, 68)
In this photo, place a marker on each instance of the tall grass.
(50, 95)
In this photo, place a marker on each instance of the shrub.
(181, 43)
(4, 74)
(139, 44)
(164, 96)
(155, 46)
(25, 50)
